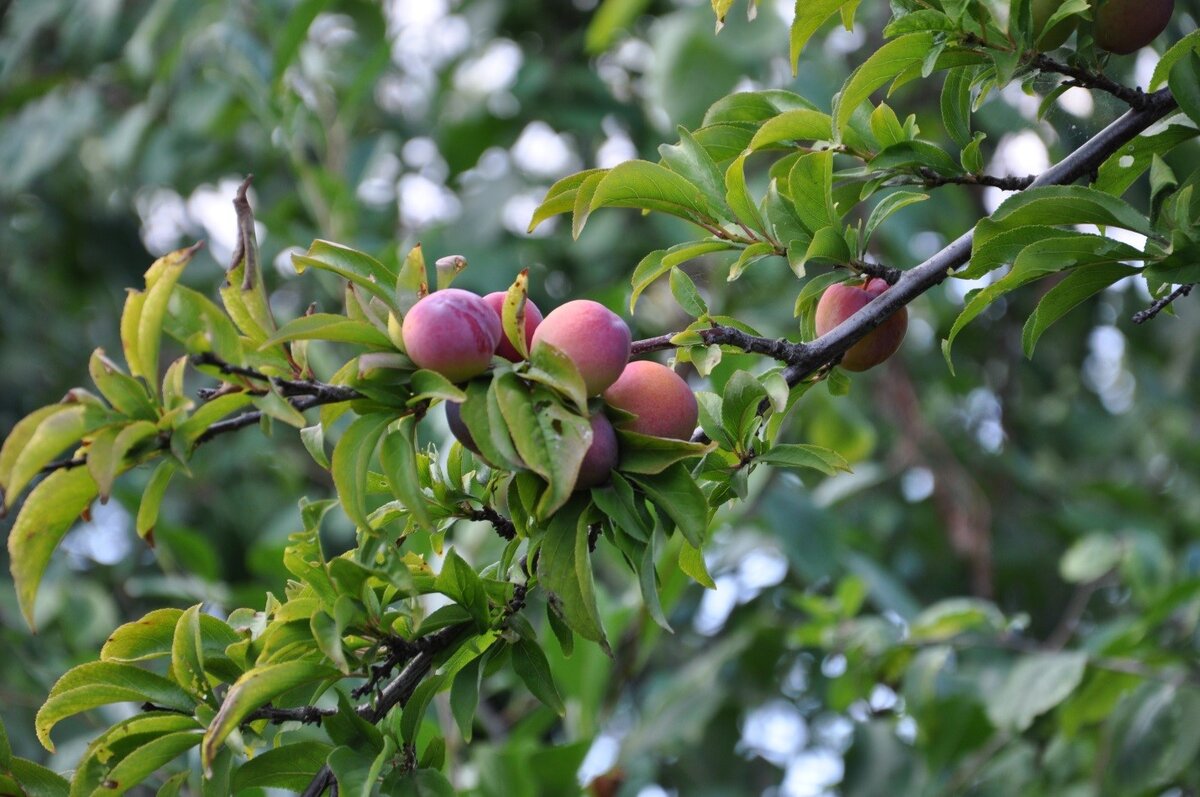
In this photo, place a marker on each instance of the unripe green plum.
(1125, 26)
(660, 398)
(601, 456)
(533, 317)
(839, 302)
(1054, 37)
(453, 332)
(458, 427)
(592, 336)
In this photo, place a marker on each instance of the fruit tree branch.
(1142, 316)
(1085, 78)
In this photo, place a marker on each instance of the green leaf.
(351, 459)
(290, 766)
(739, 405)
(1179, 50)
(956, 104)
(686, 293)
(529, 662)
(459, 582)
(160, 282)
(949, 618)
(357, 773)
(464, 697)
(49, 511)
(327, 326)
(801, 124)
(253, 690)
(916, 154)
(642, 453)
(1127, 164)
(550, 439)
(749, 256)
(677, 495)
(412, 283)
(481, 413)
(560, 198)
(1037, 683)
(737, 196)
(810, 15)
(550, 367)
(1078, 286)
(660, 261)
(1185, 85)
(1060, 205)
(645, 185)
(37, 781)
(797, 455)
(1155, 738)
(152, 497)
(691, 161)
(18, 440)
(398, 458)
(143, 761)
(55, 431)
(691, 562)
(126, 394)
(565, 570)
(810, 184)
(513, 314)
(886, 63)
(100, 683)
(583, 203)
(357, 267)
(1090, 558)
(891, 203)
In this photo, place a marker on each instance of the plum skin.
(592, 336)
(839, 302)
(660, 398)
(453, 332)
(602, 455)
(533, 317)
(1125, 26)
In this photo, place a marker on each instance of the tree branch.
(286, 387)
(1085, 78)
(503, 526)
(931, 179)
(777, 348)
(1142, 316)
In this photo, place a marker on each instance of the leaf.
(126, 394)
(956, 104)
(152, 497)
(810, 183)
(1174, 54)
(645, 185)
(648, 454)
(565, 570)
(1127, 164)
(513, 313)
(891, 203)
(481, 413)
(916, 154)
(1155, 738)
(691, 161)
(749, 256)
(289, 766)
(357, 774)
(686, 293)
(398, 458)
(160, 282)
(253, 690)
(949, 618)
(357, 267)
(1185, 85)
(739, 406)
(143, 761)
(737, 196)
(100, 683)
(464, 697)
(187, 655)
(691, 562)
(1076, 288)
(49, 511)
(1090, 558)
(459, 582)
(55, 431)
(677, 495)
(801, 124)
(327, 326)
(1037, 683)
(554, 369)
(810, 15)
(1060, 205)
(883, 65)
(529, 662)
(660, 261)
(37, 781)
(550, 439)
(351, 459)
(797, 455)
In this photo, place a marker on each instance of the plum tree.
(839, 302)
(453, 332)
(601, 456)
(660, 399)
(1055, 37)
(1124, 26)
(594, 337)
(533, 317)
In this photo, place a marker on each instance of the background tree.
(1056, 492)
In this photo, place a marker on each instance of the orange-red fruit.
(601, 456)
(839, 302)
(594, 337)
(662, 401)
(458, 427)
(533, 317)
(453, 332)
(1125, 26)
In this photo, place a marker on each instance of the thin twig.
(778, 348)
(931, 179)
(1142, 316)
(503, 526)
(1084, 78)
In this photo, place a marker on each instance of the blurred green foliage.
(124, 128)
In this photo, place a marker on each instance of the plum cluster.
(456, 333)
